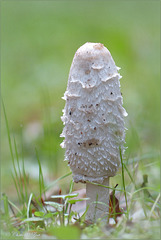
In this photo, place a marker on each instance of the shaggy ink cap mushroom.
(94, 123)
(93, 115)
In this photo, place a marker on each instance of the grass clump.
(134, 207)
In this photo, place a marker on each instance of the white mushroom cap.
(93, 115)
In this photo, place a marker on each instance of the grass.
(59, 222)
(123, 179)
(51, 218)
(39, 40)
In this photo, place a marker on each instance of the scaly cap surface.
(93, 115)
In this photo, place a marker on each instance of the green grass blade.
(70, 191)
(144, 157)
(41, 178)
(5, 203)
(17, 190)
(39, 203)
(66, 196)
(28, 207)
(23, 170)
(144, 188)
(25, 181)
(131, 178)
(8, 134)
(20, 185)
(154, 205)
(112, 188)
(96, 203)
(57, 180)
(71, 186)
(10, 146)
(12, 204)
(84, 214)
(123, 180)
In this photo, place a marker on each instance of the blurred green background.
(39, 40)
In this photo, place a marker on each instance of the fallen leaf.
(114, 209)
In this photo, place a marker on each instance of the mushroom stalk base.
(97, 194)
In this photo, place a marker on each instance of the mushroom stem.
(97, 194)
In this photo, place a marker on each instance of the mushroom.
(94, 128)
